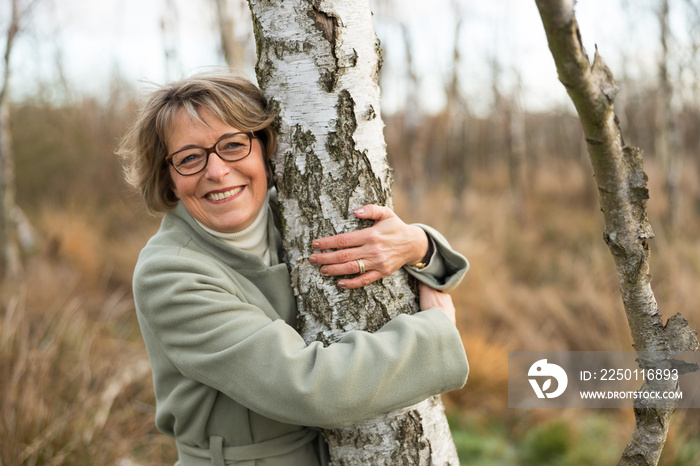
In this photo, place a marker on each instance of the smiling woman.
(225, 196)
(233, 379)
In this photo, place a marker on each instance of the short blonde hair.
(234, 99)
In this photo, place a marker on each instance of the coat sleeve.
(209, 331)
(446, 268)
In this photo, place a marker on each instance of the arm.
(386, 247)
(214, 336)
(431, 298)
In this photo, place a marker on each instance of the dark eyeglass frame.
(212, 150)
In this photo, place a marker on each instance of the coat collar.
(219, 248)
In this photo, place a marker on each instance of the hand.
(383, 248)
(430, 298)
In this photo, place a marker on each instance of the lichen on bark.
(341, 148)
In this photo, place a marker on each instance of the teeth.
(224, 195)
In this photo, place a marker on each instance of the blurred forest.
(508, 184)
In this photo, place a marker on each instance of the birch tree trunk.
(623, 195)
(10, 264)
(318, 63)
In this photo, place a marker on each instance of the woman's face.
(225, 196)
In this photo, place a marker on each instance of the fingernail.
(316, 245)
(324, 270)
(359, 211)
(341, 284)
(313, 259)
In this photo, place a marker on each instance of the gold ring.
(362, 265)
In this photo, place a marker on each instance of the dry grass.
(76, 380)
(76, 385)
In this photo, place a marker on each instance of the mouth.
(222, 195)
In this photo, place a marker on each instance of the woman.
(233, 379)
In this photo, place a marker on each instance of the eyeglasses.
(230, 148)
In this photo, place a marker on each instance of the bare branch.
(623, 197)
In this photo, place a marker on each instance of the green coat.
(234, 380)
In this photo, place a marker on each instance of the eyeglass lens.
(230, 148)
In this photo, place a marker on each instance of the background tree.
(14, 226)
(231, 48)
(412, 163)
(666, 132)
(169, 25)
(516, 148)
(454, 124)
(318, 63)
(623, 196)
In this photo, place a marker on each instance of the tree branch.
(623, 196)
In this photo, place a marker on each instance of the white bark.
(10, 264)
(318, 63)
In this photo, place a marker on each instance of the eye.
(232, 145)
(188, 158)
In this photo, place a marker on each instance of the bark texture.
(318, 63)
(623, 196)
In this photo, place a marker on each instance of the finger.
(343, 240)
(360, 281)
(340, 256)
(347, 268)
(373, 212)
(357, 237)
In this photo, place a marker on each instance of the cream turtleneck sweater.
(253, 239)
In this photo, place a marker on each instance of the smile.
(223, 195)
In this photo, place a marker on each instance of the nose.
(216, 168)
